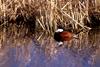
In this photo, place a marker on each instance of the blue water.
(63, 58)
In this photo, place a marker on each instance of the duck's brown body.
(66, 36)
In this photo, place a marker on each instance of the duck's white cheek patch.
(59, 30)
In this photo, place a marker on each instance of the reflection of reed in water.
(94, 40)
(3, 56)
(47, 43)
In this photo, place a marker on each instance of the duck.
(61, 35)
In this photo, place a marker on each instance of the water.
(45, 53)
